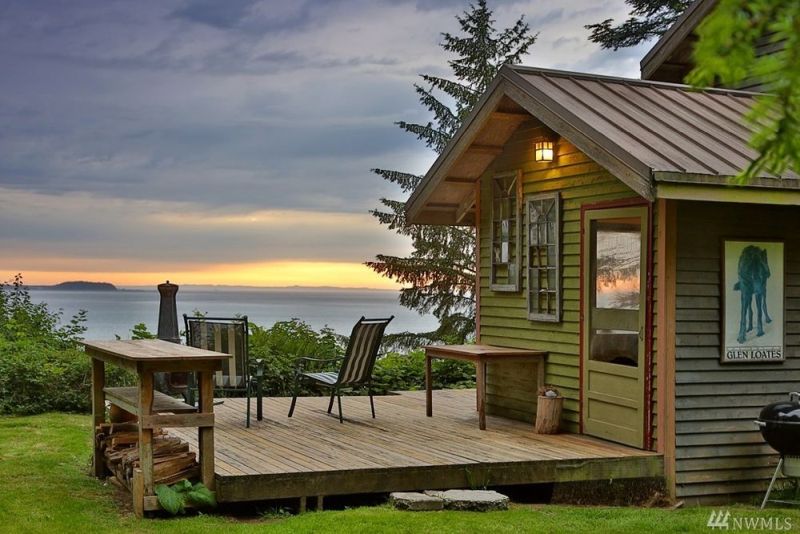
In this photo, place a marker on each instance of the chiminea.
(171, 383)
(168, 313)
(780, 425)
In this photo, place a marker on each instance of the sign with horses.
(753, 285)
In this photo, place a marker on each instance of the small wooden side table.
(480, 355)
(154, 409)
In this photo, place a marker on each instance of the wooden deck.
(312, 454)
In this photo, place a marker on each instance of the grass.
(44, 486)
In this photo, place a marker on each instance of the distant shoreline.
(77, 286)
(104, 286)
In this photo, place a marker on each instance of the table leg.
(481, 386)
(146, 434)
(206, 434)
(428, 387)
(98, 413)
(477, 389)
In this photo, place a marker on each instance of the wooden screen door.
(613, 346)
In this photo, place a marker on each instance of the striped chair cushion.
(325, 378)
(227, 337)
(362, 351)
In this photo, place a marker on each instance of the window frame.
(537, 315)
(515, 286)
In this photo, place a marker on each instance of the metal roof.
(643, 132)
(670, 128)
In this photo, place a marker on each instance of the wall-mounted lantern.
(544, 150)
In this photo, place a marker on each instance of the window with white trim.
(543, 215)
(506, 232)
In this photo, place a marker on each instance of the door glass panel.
(617, 263)
(616, 273)
(619, 347)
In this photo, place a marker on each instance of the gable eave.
(632, 172)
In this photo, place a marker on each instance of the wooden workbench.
(480, 355)
(154, 409)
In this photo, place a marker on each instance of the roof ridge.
(525, 69)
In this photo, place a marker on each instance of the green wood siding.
(503, 317)
(720, 454)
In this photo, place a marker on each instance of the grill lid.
(782, 412)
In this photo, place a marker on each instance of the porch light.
(544, 150)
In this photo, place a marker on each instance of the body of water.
(115, 312)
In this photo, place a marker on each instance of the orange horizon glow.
(268, 274)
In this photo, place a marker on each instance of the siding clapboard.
(503, 316)
(720, 455)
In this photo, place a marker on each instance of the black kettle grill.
(780, 425)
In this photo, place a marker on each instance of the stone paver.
(474, 500)
(416, 502)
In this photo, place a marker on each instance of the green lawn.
(44, 487)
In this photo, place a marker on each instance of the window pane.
(617, 263)
(543, 238)
(533, 235)
(620, 347)
(551, 279)
(543, 282)
(534, 280)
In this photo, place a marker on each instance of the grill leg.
(339, 398)
(772, 483)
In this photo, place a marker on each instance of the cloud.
(79, 226)
(115, 111)
(223, 15)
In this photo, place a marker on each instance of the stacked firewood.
(172, 460)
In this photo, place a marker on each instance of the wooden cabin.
(612, 235)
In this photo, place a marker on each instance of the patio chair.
(356, 367)
(239, 375)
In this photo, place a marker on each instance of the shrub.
(42, 367)
(281, 345)
(406, 372)
(35, 378)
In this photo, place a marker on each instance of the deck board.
(402, 449)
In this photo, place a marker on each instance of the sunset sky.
(227, 142)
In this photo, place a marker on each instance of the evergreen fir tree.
(648, 18)
(440, 272)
